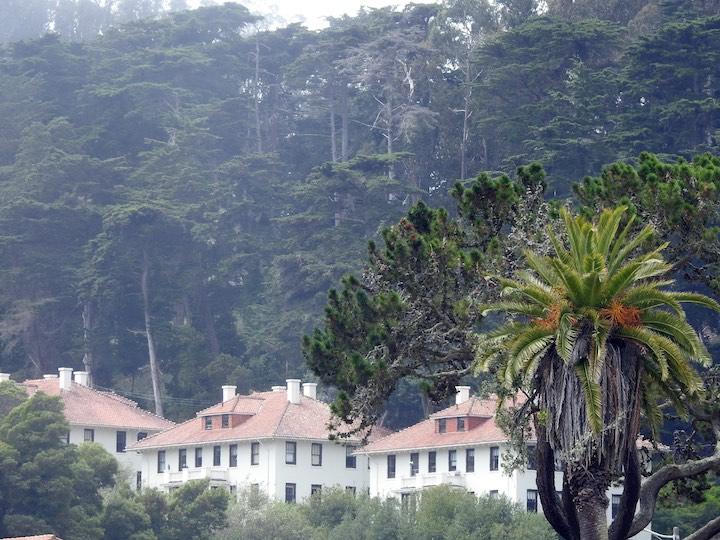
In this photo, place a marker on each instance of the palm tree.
(597, 337)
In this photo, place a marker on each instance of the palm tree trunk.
(593, 520)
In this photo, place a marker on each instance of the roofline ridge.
(174, 426)
(122, 399)
(282, 416)
(398, 432)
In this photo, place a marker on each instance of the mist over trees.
(178, 194)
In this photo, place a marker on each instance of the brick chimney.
(81, 377)
(65, 378)
(228, 392)
(462, 395)
(293, 390)
(310, 390)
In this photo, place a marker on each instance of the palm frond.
(593, 396)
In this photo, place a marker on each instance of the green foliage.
(689, 516)
(48, 485)
(440, 513)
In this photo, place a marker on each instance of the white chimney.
(50, 376)
(293, 390)
(463, 394)
(228, 392)
(81, 377)
(65, 378)
(278, 388)
(310, 390)
(4, 377)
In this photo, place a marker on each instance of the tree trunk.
(344, 135)
(209, 323)
(152, 356)
(593, 521)
(333, 142)
(87, 319)
(389, 134)
(258, 131)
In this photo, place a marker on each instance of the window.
(461, 424)
(225, 421)
(615, 505)
(207, 422)
(198, 457)
(494, 493)
(391, 466)
(414, 463)
(141, 435)
(233, 455)
(89, 435)
(217, 456)
(532, 500)
(182, 459)
(138, 480)
(452, 460)
(315, 489)
(161, 461)
(350, 458)
(120, 441)
(289, 493)
(470, 460)
(255, 453)
(350, 489)
(432, 461)
(316, 454)
(442, 425)
(494, 458)
(531, 458)
(291, 453)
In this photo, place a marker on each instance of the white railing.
(217, 474)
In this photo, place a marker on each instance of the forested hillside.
(178, 194)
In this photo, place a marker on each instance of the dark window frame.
(614, 505)
(350, 457)
(414, 463)
(225, 421)
(207, 423)
(182, 459)
(432, 461)
(452, 460)
(531, 501)
(198, 457)
(255, 453)
(531, 457)
(316, 451)
(290, 452)
(494, 458)
(290, 492)
(161, 461)
(442, 425)
(217, 455)
(470, 460)
(391, 465)
(460, 424)
(141, 435)
(120, 441)
(233, 455)
(86, 432)
(315, 490)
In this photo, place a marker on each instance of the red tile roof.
(423, 434)
(89, 407)
(270, 415)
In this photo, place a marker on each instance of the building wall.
(130, 462)
(482, 481)
(270, 474)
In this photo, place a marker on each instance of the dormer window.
(207, 422)
(225, 420)
(442, 425)
(461, 424)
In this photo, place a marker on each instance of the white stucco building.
(108, 419)
(459, 446)
(276, 442)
